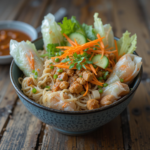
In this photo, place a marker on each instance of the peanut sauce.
(6, 35)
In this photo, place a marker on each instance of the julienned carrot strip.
(102, 45)
(29, 61)
(69, 40)
(78, 48)
(87, 88)
(117, 57)
(32, 60)
(61, 66)
(100, 52)
(97, 83)
(108, 69)
(109, 48)
(93, 69)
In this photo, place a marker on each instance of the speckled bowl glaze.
(76, 122)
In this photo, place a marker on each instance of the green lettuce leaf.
(127, 44)
(67, 26)
(89, 31)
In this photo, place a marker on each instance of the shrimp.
(54, 100)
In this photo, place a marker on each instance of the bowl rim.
(20, 93)
(19, 23)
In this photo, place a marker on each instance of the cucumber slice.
(81, 31)
(103, 63)
(80, 38)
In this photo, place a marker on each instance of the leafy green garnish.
(89, 31)
(67, 26)
(105, 75)
(35, 75)
(78, 60)
(51, 50)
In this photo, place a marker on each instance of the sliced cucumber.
(80, 38)
(103, 63)
(81, 31)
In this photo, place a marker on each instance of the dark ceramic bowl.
(72, 122)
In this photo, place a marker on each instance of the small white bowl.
(20, 26)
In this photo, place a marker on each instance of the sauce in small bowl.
(6, 35)
(16, 30)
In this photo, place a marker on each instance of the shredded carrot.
(108, 69)
(69, 40)
(87, 88)
(117, 57)
(95, 81)
(31, 61)
(102, 45)
(91, 66)
(65, 104)
(100, 52)
(109, 48)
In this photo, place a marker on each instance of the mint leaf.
(67, 26)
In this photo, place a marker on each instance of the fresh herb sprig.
(78, 60)
(52, 51)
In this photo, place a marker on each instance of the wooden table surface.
(19, 129)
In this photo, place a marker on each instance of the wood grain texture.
(22, 131)
(107, 137)
(7, 105)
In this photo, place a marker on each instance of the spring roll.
(126, 69)
(51, 31)
(117, 89)
(21, 52)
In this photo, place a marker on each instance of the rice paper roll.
(117, 89)
(21, 51)
(51, 31)
(126, 68)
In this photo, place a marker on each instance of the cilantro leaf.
(71, 66)
(67, 26)
(79, 66)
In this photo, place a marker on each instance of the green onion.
(33, 71)
(48, 87)
(105, 84)
(100, 91)
(60, 70)
(34, 90)
(57, 60)
(50, 63)
(94, 48)
(80, 76)
(52, 67)
(60, 79)
(55, 76)
(100, 86)
(35, 75)
(121, 80)
(100, 78)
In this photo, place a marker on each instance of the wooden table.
(19, 129)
